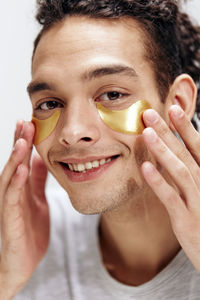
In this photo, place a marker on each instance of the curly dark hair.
(173, 41)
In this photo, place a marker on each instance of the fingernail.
(150, 135)
(177, 111)
(151, 116)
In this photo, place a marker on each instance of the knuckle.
(171, 196)
(179, 224)
(163, 130)
(182, 154)
(161, 148)
(182, 172)
(10, 202)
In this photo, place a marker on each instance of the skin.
(148, 197)
(67, 62)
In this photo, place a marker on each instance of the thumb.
(38, 177)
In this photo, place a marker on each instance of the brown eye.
(110, 96)
(49, 105)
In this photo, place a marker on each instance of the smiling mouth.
(88, 166)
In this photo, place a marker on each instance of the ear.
(183, 92)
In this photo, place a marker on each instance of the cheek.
(141, 152)
(43, 150)
(138, 154)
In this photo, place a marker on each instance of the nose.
(79, 125)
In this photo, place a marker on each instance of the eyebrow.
(122, 70)
(109, 70)
(35, 87)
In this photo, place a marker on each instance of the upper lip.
(74, 160)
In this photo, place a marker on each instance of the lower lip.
(88, 175)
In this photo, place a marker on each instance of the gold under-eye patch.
(127, 120)
(45, 127)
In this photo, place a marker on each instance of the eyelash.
(98, 99)
(115, 93)
(57, 104)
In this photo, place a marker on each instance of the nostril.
(86, 139)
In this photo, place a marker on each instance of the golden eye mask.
(127, 120)
(45, 127)
(124, 121)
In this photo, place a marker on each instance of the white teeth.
(95, 164)
(102, 162)
(71, 167)
(88, 165)
(75, 168)
(81, 167)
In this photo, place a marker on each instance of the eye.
(49, 105)
(110, 96)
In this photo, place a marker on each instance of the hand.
(24, 214)
(182, 162)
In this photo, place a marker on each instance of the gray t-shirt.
(72, 267)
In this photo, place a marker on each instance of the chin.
(86, 206)
(101, 200)
(96, 205)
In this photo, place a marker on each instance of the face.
(79, 63)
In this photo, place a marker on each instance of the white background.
(18, 29)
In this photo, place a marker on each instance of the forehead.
(79, 41)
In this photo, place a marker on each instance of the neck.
(137, 241)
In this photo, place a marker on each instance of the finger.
(152, 119)
(174, 166)
(28, 134)
(38, 177)
(16, 158)
(17, 183)
(13, 224)
(18, 130)
(185, 225)
(168, 196)
(186, 130)
(12, 211)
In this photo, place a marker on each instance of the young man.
(143, 240)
